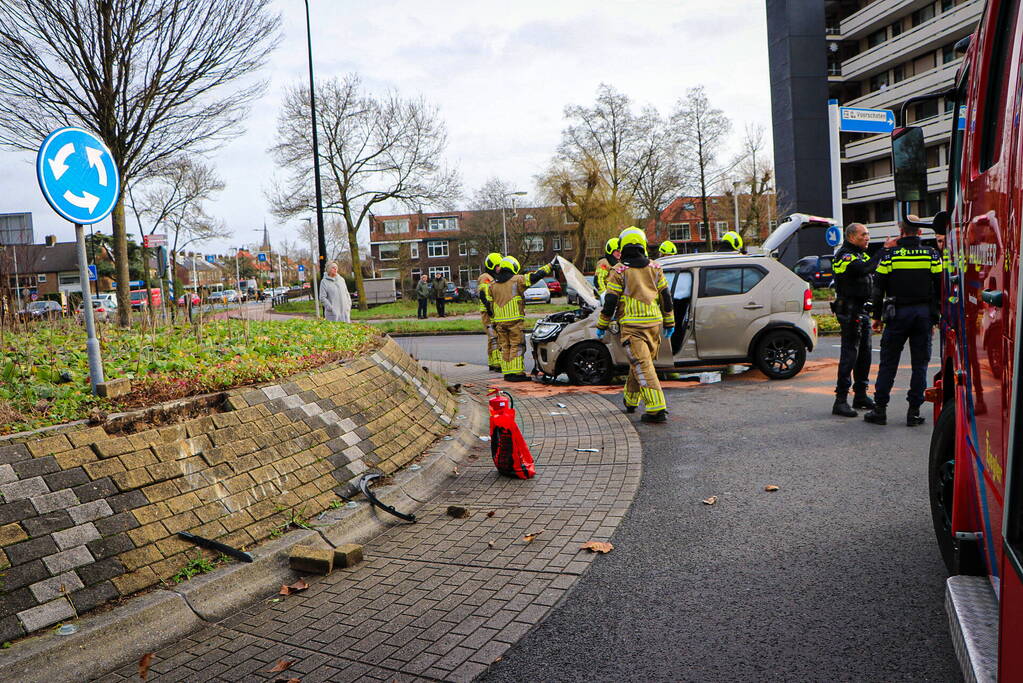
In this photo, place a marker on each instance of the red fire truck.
(976, 455)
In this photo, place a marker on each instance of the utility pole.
(312, 261)
(321, 236)
(280, 272)
(17, 277)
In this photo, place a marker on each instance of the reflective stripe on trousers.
(641, 345)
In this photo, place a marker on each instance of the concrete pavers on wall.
(435, 600)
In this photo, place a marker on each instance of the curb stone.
(163, 616)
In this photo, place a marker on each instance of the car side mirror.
(909, 164)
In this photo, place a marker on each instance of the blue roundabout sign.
(77, 175)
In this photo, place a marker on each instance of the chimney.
(51, 240)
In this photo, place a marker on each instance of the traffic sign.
(92, 272)
(833, 235)
(853, 120)
(210, 258)
(261, 257)
(77, 175)
(961, 121)
(151, 241)
(301, 268)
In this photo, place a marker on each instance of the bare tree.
(483, 229)
(701, 132)
(374, 149)
(662, 174)
(336, 237)
(150, 77)
(756, 173)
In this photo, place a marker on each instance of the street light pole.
(312, 259)
(735, 197)
(321, 236)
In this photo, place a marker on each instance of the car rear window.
(730, 281)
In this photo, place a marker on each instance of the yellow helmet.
(732, 239)
(492, 261)
(512, 264)
(667, 248)
(632, 235)
(611, 246)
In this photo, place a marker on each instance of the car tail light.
(101, 310)
(807, 300)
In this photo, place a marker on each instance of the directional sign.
(151, 241)
(77, 175)
(261, 257)
(833, 235)
(210, 258)
(853, 120)
(301, 268)
(961, 121)
(92, 273)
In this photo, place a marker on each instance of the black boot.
(518, 377)
(842, 408)
(913, 417)
(659, 417)
(877, 416)
(863, 401)
(494, 368)
(628, 408)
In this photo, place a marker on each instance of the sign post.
(850, 120)
(80, 181)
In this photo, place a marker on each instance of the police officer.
(503, 302)
(854, 271)
(490, 265)
(638, 298)
(604, 265)
(907, 286)
(667, 248)
(732, 241)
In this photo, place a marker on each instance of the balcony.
(883, 187)
(935, 80)
(877, 14)
(926, 37)
(935, 128)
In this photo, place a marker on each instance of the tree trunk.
(121, 264)
(703, 203)
(353, 246)
(580, 240)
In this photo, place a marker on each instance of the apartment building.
(875, 54)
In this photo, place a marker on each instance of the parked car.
(472, 290)
(458, 294)
(231, 296)
(139, 300)
(217, 297)
(553, 285)
(573, 296)
(103, 308)
(42, 310)
(816, 270)
(729, 308)
(182, 301)
(539, 293)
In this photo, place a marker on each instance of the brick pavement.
(444, 598)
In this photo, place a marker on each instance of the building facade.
(682, 221)
(873, 54)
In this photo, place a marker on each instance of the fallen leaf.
(490, 514)
(282, 665)
(597, 547)
(458, 512)
(528, 538)
(498, 659)
(144, 664)
(296, 587)
(710, 501)
(771, 488)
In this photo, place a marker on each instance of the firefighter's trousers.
(493, 352)
(641, 345)
(512, 344)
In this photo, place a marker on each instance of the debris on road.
(597, 547)
(587, 450)
(282, 665)
(709, 501)
(490, 514)
(306, 558)
(144, 663)
(771, 488)
(458, 512)
(561, 405)
(296, 587)
(528, 538)
(710, 377)
(347, 555)
(557, 413)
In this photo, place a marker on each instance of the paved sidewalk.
(444, 598)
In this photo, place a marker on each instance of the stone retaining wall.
(87, 516)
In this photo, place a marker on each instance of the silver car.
(729, 308)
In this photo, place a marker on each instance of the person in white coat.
(337, 303)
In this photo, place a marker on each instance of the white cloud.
(501, 75)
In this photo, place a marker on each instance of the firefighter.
(733, 241)
(612, 254)
(503, 302)
(907, 286)
(667, 248)
(490, 265)
(637, 297)
(854, 271)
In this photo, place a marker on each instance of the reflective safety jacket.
(483, 281)
(638, 297)
(854, 271)
(600, 275)
(910, 273)
(503, 300)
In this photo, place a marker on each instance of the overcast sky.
(501, 74)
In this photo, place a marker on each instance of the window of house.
(877, 37)
(679, 232)
(395, 226)
(445, 271)
(689, 206)
(947, 5)
(923, 14)
(948, 53)
(925, 63)
(438, 224)
(67, 278)
(884, 212)
(897, 28)
(879, 81)
(463, 275)
(729, 281)
(898, 74)
(566, 243)
(390, 272)
(41, 277)
(720, 228)
(925, 110)
(414, 250)
(389, 252)
(532, 243)
(556, 243)
(437, 249)
(416, 274)
(463, 248)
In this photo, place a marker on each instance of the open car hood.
(576, 281)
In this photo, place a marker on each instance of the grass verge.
(408, 309)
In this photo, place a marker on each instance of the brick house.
(454, 243)
(44, 270)
(682, 221)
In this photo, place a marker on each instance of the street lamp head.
(518, 193)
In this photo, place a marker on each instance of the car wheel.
(588, 363)
(780, 354)
(960, 557)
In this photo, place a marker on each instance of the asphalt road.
(836, 576)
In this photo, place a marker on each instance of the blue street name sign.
(210, 258)
(833, 235)
(852, 120)
(77, 175)
(961, 121)
(92, 273)
(261, 257)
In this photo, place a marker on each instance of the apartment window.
(947, 5)
(532, 243)
(897, 28)
(950, 105)
(923, 14)
(444, 271)
(679, 232)
(703, 231)
(926, 110)
(948, 53)
(879, 81)
(67, 279)
(463, 249)
(566, 243)
(389, 252)
(556, 243)
(877, 37)
(414, 250)
(898, 74)
(437, 249)
(884, 212)
(720, 228)
(395, 226)
(925, 63)
(439, 224)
